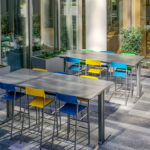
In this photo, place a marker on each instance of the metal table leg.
(9, 109)
(64, 65)
(101, 121)
(138, 73)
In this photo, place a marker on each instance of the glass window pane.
(69, 23)
(14, 34)
(43, 29)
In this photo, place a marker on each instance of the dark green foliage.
(5, 24)
(131, 40)
(36, 25)
(48, 54)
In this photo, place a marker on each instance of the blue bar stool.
(65, 73)
(75, 64)
(71, 108)
(120, 70)
(11, 95)
(109, 52)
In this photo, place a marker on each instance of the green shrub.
(48, 54)
(131, 40)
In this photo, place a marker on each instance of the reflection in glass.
(69, 23)
(115, 23)
(43, 26)
(14, 34)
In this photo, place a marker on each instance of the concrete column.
(96, 25)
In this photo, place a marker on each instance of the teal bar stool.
(120, 70)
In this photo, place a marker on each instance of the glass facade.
(122, 14)
(114, 23)
(43, 26)
(14, 33)
(32, 27)
(69, 24)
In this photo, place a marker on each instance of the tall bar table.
(77, 86)
(107, 58)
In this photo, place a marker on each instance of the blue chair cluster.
(11, 95)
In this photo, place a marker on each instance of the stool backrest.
(107, 52)
(93, 62)
(35, 92)
(118, 65)
(66, 98)
(65, 73)
(7, 87)
(72, 60)
(87, 50)
(39, 69)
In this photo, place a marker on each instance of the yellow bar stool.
(39, 101)
(95, 68)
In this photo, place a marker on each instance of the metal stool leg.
(68, 127)
(12, 121)
(38, 119)
(126, 90)
(132, 87)
(115, 83)
(88, 119)
(20, 107)
(36, 115)
(60, 116)
(54, 127)
(28, 110)
(42, 128)
(75, 132)
(21, 135)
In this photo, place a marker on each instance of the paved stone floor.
(127, 127)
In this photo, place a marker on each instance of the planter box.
(4, 70)
(52, 64)
(15, 59)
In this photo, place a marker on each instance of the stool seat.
(95, 70)
(38, 102)
(70, 109)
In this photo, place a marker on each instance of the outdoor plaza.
(117, 109)
(74, 75)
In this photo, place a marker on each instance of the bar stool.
(71, 108)
(11, 95)
(120, 70)
(95, 67)
(40, 101)
(74, 64)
